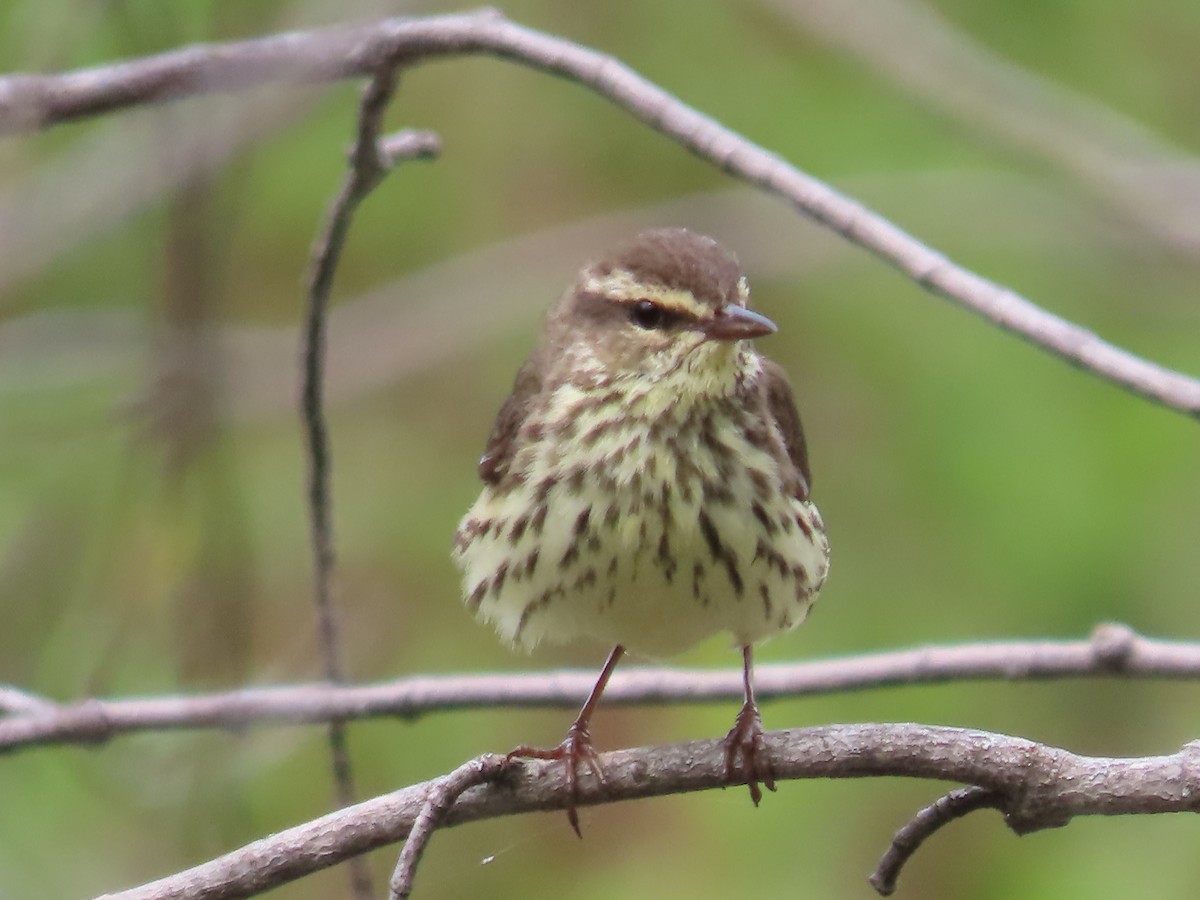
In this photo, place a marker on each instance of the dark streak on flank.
(477, 595)
(718, 492)
(575, 479)
(762, 483)
(721, 553)
(578, 530)
(803, 525)
(585, 580)
(518, 528)
(498, 578)
(766, 521)
(611, 516)
(533, 606)
(665, 560)
(539, 518)
(531, 561)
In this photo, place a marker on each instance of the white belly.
(637, 556)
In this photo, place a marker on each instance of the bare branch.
(921, 827)
(364, 173)
(370, 159)
(1041, 787)
(31, 101)
(1113, 650)
(442, 795)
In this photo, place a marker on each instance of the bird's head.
(667, 309)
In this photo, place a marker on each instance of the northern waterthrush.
(647, 482)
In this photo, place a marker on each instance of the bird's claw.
(746, 739)
(575, 748)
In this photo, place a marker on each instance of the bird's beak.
(734, 323)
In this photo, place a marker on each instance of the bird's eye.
(647, 314)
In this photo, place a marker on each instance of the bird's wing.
(502, 441)
(781, 404)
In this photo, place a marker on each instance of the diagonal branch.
(1113, 650)
(1041, 787)
(33, 101)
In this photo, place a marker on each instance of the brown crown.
(678, 259)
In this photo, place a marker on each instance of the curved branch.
(438, 801)
(1113, 650)
(33, 101)
(921, 827)
(368, 164)
(1041, 787)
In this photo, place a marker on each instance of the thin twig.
(1113, 651)
(919, 828)
(441, 796)
(363, 174)
(369, 162)
(32, 101)
(1042, 787)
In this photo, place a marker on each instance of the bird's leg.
(577, 746)
(746, 738)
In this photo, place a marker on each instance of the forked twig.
(370, 160)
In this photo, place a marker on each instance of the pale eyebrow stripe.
(621, 286)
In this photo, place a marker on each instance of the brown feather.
(501, 443)
(781, 405)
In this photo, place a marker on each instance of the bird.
(646, 484)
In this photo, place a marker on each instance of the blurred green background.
(153, 532)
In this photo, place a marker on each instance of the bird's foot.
(746, 739)
(575, 749)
